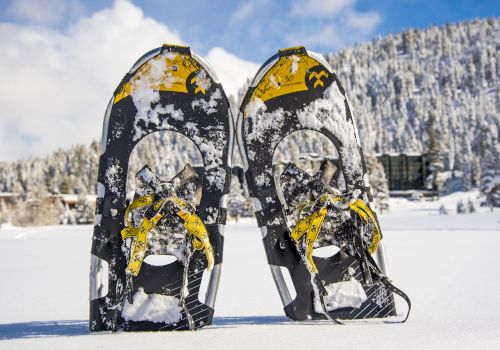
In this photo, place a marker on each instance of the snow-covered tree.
(442, 210)
(378, 182)
(434, 181)
(84, 211)
(490, 179)
(237, 203)
(471, 208)
(4, 213)
(461, 207)
(431, 91)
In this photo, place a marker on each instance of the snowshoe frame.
(125, 124)
(302, 83)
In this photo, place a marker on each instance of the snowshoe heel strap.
(388, 284)
(385, 281)
(310, 226)
(192, 222)
(367, 215)
(194, 225)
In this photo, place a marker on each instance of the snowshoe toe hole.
(326, 252)
(160, 260)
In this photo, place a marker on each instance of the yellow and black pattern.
(173, 70)
(298, 90)
(294, 71)
(193, 224)
(155, 95)
(310, 226)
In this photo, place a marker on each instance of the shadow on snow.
(249, 320)
(38, 329)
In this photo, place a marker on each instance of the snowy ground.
(447, 264)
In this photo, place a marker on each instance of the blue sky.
(60, 60)
(254, 29)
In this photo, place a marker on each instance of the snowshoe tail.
(297, 90)
(168, 89)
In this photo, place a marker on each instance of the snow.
(213, 149)
(295, 63)
(145, 93)
(152, 307)
(262, 180)
(256, 105)
(333, 103)
(449, 272)
(209, 106)
(113, 176)
(342, 294)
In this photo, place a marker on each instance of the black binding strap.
(387, 283)
(367, 262)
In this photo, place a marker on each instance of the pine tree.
(84, 210)
(490, 176)
(378, 183)
(4, 213)
(237, 204)
(436, 166)
(395, 85)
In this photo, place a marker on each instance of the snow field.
(448, 265)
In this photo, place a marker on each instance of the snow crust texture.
(152, 307)
(342, 294)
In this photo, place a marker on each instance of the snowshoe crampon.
(168, 89)
(297, 212)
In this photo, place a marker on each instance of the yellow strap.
(138, 203)
(368, 216)
(193, 224)
(139, 249)
(195, 227)
(301, 228)
(310, 225)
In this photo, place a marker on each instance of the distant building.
(405, 171)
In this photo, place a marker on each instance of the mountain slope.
(442, 83)
(435, 91)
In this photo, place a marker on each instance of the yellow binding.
(311, 225)
(192, 222)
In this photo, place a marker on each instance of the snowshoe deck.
(297, 90)
(168, 89)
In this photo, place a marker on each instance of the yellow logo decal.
(318, 77)
(174, 77)
(199, 87)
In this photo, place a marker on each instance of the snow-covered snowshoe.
(297, 212)
(168, 89)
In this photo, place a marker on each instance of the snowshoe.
(168, 89)
(298, 212)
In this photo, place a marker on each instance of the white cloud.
(365, 22)
(231, 70)
(326, 36)
(55, 86)
(243, 12)
(319, 8)
(330, 24)
(45, 12)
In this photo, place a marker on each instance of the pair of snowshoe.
(173, 89)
